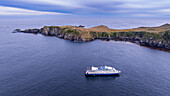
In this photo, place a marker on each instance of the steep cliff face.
(67, 32)
(158, 40)
(50, 31)
(78, 34)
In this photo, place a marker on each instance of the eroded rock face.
(36, 31)
(45, 31)
(155, 40)
(48, 31)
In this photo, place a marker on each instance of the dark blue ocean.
(37, 65)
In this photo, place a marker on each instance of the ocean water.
(37, 65)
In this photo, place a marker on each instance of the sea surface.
(37, 65)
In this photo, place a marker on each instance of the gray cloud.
(108, 7)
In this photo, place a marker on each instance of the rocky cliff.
(156, 37)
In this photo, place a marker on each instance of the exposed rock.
(36, 31)
(81, 26)
(77, 34)
(16, 30)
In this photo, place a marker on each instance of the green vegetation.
(89, 33)
(147, 36)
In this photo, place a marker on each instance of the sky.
(86, 8)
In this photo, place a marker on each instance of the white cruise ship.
(103, 70)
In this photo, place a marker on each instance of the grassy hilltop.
(158, 37)
(161, 32)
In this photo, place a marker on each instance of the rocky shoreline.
(160, 41)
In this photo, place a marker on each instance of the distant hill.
(156, 37)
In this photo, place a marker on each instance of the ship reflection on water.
(93, 78)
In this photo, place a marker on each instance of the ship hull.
(111, 74)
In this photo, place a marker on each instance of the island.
(152, 37)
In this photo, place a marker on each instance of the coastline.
(155, 48)
(159, 40)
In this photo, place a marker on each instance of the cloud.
(143, 15)
(18, 11)
(138, 6)
(113, 8)
(67, 3)
(164, 10)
